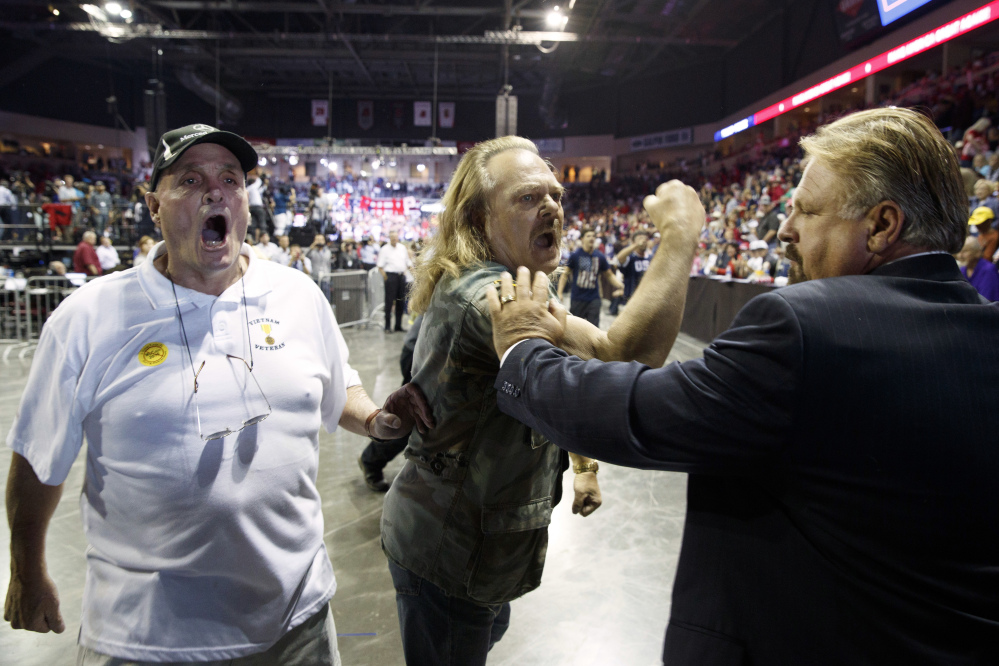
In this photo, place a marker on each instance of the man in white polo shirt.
(393, 261)
(200, 394)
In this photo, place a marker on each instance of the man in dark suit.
(843, 504)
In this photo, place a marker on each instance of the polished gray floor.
(606, 591)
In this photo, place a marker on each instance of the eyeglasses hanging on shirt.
(253, 420)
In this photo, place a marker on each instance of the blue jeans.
(439, 630)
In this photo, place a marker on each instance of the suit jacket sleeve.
(731, 409)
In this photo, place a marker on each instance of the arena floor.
(606, 592)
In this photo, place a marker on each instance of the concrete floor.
(606, 592)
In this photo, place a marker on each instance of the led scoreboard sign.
(945, 33)
(892, 10)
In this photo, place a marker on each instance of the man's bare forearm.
(357, 410)
(562, 280)
(30, 505)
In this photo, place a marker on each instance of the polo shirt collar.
(158, 290)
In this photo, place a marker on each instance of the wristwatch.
(591, 466)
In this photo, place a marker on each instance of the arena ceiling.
(382, 49)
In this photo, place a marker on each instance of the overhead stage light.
(293, 160)
(421, 167)
(112, 8)
(126, 14)
(375, 164)
(555, 18)
(262, 161)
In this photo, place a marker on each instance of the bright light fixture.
(293, 160)
(375, 164)
(364, 174)
(95, 11)
(112, 8)
(262, 161)
(55, 12)
(421, 167)
(126, 14)
(555, 18)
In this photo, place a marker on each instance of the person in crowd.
(145, 245)
(85, 258)
(283, 255)
(981, 273)
(393, 263)
(634, 261)
(380, 452)
(849, 520)
(986, 223)
(585, 268)
(143, 221)
(8, 206)
(369, 254)
(258, 214)
(348, 260)
(282, 205)
(985, 195)
(298, 260)
(974, 141)
(194, 555)
(107, 255)
(99, 203)
(317, 210)
(464, 524)
(320, 257)
(266, 247)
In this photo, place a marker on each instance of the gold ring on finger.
(506, 299)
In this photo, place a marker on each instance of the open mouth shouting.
(545, 240)
(214, 232)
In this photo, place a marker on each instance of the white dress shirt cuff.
(511, 348)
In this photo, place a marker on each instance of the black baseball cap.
(173, 144)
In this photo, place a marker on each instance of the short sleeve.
(48, 425)
(342, 375)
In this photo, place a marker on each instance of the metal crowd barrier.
(347, 294)
(25, 306)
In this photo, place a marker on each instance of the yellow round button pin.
(152, 354)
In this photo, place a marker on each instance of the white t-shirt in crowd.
(269, 250)
(394, 259)
(198, 550)
(254, 194)
(369, 253)
(108, 257)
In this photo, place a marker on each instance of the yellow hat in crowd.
(981, 215)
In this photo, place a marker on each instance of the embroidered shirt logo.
(267, 327)
(153, 354)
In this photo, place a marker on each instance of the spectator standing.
(982, 274)
(369, 254)
(85, 258)
(585, 268)
(8, 204)
(320, 256)
(347, 259)
(280, 201)
(393, 262)
(99, 203)
(107, 255)
(634, 262)
(255, 196)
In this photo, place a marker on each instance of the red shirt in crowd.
(86, 255)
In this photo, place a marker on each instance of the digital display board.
(945, 33)
(892, 10)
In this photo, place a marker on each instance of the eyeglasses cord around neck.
(183, 331)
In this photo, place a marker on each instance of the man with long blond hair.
(465, 522)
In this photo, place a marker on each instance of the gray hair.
(898, 155)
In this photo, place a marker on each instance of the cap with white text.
(173, 144)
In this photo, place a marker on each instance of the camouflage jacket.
(470, 510)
